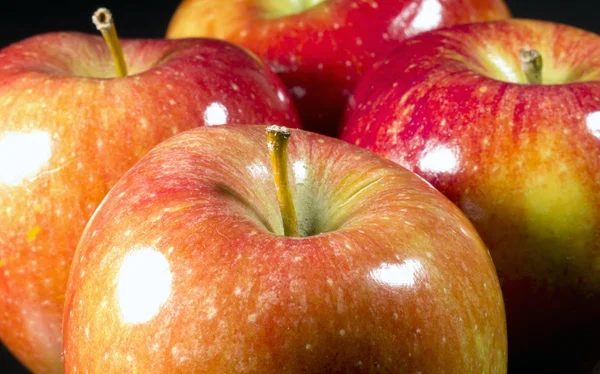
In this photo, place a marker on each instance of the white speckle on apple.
(298, 92)
(127, 232)
(308, 347)
(235, 86)
(359, 363)
(320, 66)
(359, 41)
(342, 332)
(237, 291)
(172, 102)
(105, 356)
(336, 25)
(252, 317)
(244, 33)
(212, 312)
(297, 259)
(374, 5)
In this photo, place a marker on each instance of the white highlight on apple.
(215, 114)
(428, 16)
(144, 285)
(593, 123)
(439, 159)
(299, 171)
(397, 275)
(23, 155)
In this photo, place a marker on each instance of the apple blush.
(221, 251)
(321, 48)
(504, 119)
(72, 122)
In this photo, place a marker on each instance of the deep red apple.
(185, 267)
(68, 131)
(320, 48)
(521, 159)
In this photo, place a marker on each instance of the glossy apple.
(521, 160)
(320, 48)
(68, 132)
(184, 267)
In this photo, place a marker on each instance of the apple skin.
(66, 138)
(520, 160)
(320, 54)
(183, 268)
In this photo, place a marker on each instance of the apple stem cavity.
(283, 8)
(103, 20)
(277, 140)
(531, 65)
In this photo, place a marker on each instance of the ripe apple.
(68, 131)
(320, 48)
(521, 159)
(185, 267)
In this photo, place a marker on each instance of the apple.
(504, 119)
(197, 262)
(69, 130)
(320, 48)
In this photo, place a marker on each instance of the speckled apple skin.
(320, 54)
(397, 282)
(84, 133)
(522, 161)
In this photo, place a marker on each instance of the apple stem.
(531, 65)
(103, 20)
(277, 140)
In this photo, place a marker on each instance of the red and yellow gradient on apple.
(69, 130)
(521, 160)
(320, 48)
(186, 268)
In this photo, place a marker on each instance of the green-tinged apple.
(320, 48)
(198, 262)
(504, 119)
(69, 129)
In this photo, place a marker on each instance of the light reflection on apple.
(143, 285)
(439, 159)
(215, 114)
(397, 275)
(258, 170)
(300, 171)
(22, 155)
(593, 123)
(429, 16)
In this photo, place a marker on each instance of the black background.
(20, 19)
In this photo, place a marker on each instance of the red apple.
(522, 160)
(184, 267)
(68, 132)
(320, 48)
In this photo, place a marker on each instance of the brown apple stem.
(103, 20)
(531, 65)
(277, 140)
